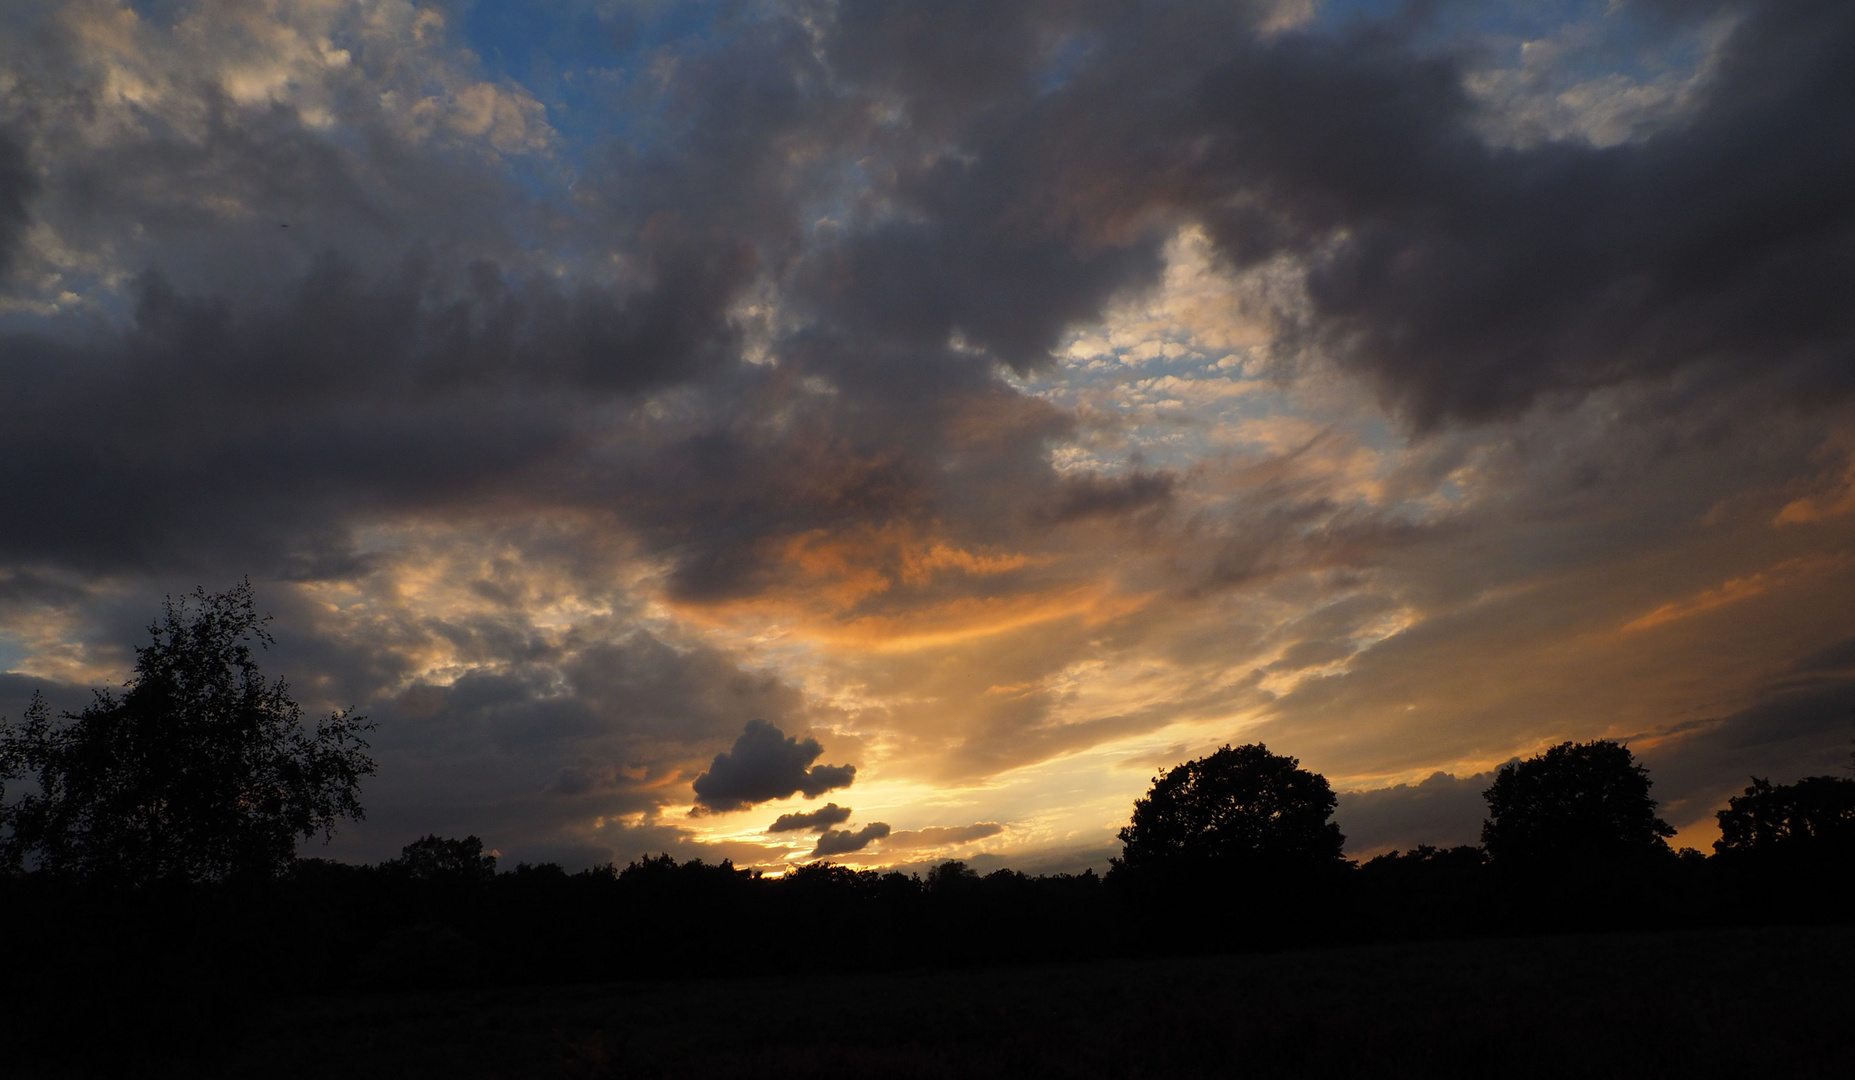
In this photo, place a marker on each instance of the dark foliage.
(1234, 851)
(1427, 892)
(200, 770)
(1578, 803)
(1787, 851)
(1241, 807)
(161, 971)
(1813, 818)
(437, 859)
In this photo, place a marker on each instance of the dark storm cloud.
(1468, 279)
(223, 432)
(26, 587)
(330, 325)
(819, 820)
(845, 841)
(16, 185)
(397, 371)
(1037, 158)
(1475, 279)
(766, 764)
(990, 249)
(1442, 811)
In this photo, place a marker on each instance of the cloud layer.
(1017, 396)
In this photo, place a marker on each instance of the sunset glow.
(1014, 403)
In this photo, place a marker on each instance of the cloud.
(1001, 248)
(1095, 496)
(1839, 657)
(766, 764)
(17, 185)
(1800, 726)
(494, 721)
(1443, 811)
(572, 420)
(298, 416)
(819, 820)
(845, 841)
(1468, 279)
(942, 835)
(16, 692)
(1430, 294)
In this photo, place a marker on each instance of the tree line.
(148, 868)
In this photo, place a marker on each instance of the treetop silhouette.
(1239, 807)
(1813, 817)
(1577, 802)
(442, 859)
(199, 770)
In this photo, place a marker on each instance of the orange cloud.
(976, 617)
(1736, 589)
(1806, 510)
(1830, 504)
(847, 566)
(1731, 592)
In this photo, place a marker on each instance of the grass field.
(1736, 1003)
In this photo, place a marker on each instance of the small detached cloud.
(819, 820)
(766, 764)
(845, 841)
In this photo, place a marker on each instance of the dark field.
(1725, 1003)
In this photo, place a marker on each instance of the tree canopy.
(1241, 806)
(437, 858)
(1577, 802)
(198, 770)
(1813, 817)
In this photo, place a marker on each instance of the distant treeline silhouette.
(176, 963)
(148, 874)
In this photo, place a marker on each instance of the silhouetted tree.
(1239, 807)
(200, 770)
(1813, 818)
(952, 878)
(437, 858)
(1577, 802)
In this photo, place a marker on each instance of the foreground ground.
(1734, 1003)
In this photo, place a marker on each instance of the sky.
(891, 431)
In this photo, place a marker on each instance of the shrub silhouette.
(199, 771)
(1576, 803)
